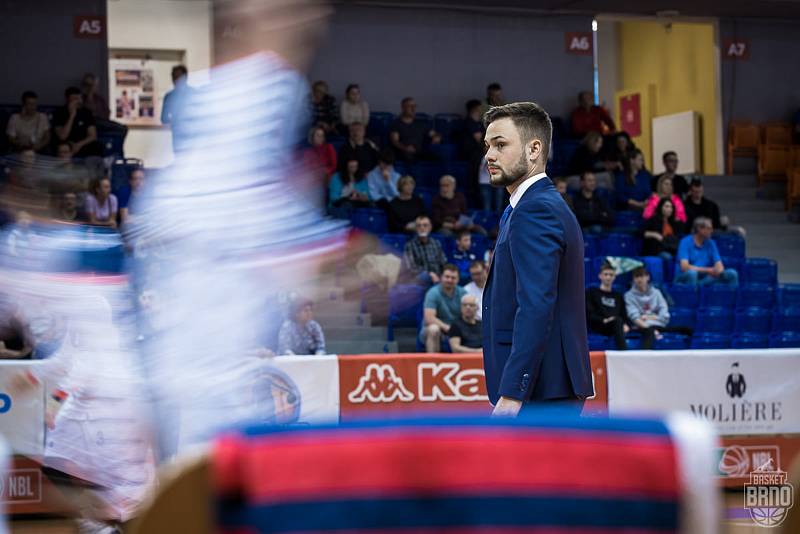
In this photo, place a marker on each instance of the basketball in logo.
(768, 517)
(734, 462)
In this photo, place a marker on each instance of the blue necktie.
(506, 215)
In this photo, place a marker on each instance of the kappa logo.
(447, 382)
(380, 383)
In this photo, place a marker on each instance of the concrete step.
(361, 347)
(735, 180)
(337, 307)
(322, 293)
(356, 333)
(406, 339)
(338, 320)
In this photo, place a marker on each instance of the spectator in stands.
(101, 203)
(699, 261)
(354, 108)
(92, 100)
(347, 190)
(462, 257)
(647, 308)
(383, 180)
(441, 308)
(173, 112)
(68, 210)
(449, 209)
(423, 257)
(75, 124)
(662, 232)
(465, 332)
(322, 151)
(408, 136)
(405, 208)
(697, 205)
(679, 183)
(605, 308)
(591, 210)
(477, 274)
(360, 148)
(28, 129)
(492, 198)
(325, 111)
(587, 157)
(617, 150)
(470, 136)
(561, 186)
(494, 97)
(64, 153)
(588, 117)
(664, 190)
(632, 186)
(300, 333)
(130, 196)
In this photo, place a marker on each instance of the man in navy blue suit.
(534, 318)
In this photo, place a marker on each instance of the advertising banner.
(738, 456)
(740, 391)
(21, 416)
(301, 389)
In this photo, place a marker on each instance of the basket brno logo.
(768, 496)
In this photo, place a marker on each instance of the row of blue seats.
(725, 321)
(748, 295)
(374, 220)
(625, 244)
(705, 341)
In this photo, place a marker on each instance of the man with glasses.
(698, 259)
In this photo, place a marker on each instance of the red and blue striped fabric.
(541, 473)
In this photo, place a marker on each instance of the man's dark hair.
(406, 99)
(584, 174)
(531, 120)
(477, 263)
(559, 180)
(667, 154)
(350, 87)
(138, 168)
(180, 68)
(386, 156)
(28, 94)
(472, 104)
(696, 182)
(607, 267)
(494, 86)
(450, 267)
(71, 90)
(462, 233)
(639, 271)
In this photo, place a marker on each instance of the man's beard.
(505, 179)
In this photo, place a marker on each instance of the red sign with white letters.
(579, 43)
(89, 27)
(736, 49)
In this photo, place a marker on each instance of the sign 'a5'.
(579, 43)
(88, 27)
(736, 49)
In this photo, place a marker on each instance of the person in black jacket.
(587, 156)
(405, 207)
(662, 232)
(605, 308)
(592, 212)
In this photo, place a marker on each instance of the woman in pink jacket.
(664, 190)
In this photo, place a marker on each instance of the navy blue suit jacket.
(534, 318)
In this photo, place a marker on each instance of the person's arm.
(45, 139)
(429, 318)
(662, 309)
(458, 348)
(166, 109)
(335, 188)
(62, 132)
(607, 119)
(123, 215)
(633, 311)
(285, 338)
(650, 206)
(536, 240)
(394, 138)
(373, 183)
(91, 135)
(408, 257)
(319, 337)
(593, 311)
(680, 209)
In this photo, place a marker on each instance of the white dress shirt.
(515, 198)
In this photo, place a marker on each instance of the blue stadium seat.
(395, 243)
(789, 296)
(718, 296)
(598, 342)
(121, 170)
(591, 246)
(749, 341)
(730, 245)
(588, 272)
(760, 270)
(655, 266)
(425, 119)
(427, 197)
(370, 220)
(405, 307)
(448, 125)
(460, 171)
(784, 340)
(480, 244)
(786, 320)
(619, 245)
(486, 219)
(715, 320)
(683, 317)
(756, 296)
(737, 264)
(378, 127)
(672, 342)
(710, 341)
(428, 173)
(628, 219)
(684, 296)
(753, 321)
(447, 243)
(445, 152)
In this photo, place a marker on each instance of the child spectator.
(647, 308)
(605, 308)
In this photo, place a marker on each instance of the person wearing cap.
(300, 333)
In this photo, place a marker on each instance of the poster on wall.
(133, 93)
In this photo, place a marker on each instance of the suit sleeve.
(536, 240)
